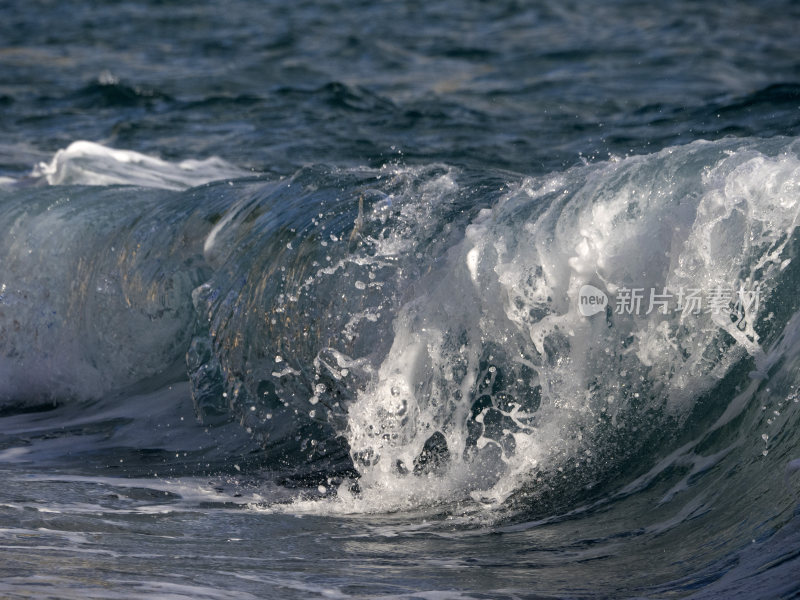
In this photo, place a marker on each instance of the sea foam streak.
(89, 163)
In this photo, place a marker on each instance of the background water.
(288, 300)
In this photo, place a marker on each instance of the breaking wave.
(411, 335)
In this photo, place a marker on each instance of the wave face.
(417, 336)
(390, 308)
(432, 328)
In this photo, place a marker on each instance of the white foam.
(89, 163)
(691, 217)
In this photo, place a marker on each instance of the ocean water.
(399, 300)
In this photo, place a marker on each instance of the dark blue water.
(293, 300)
